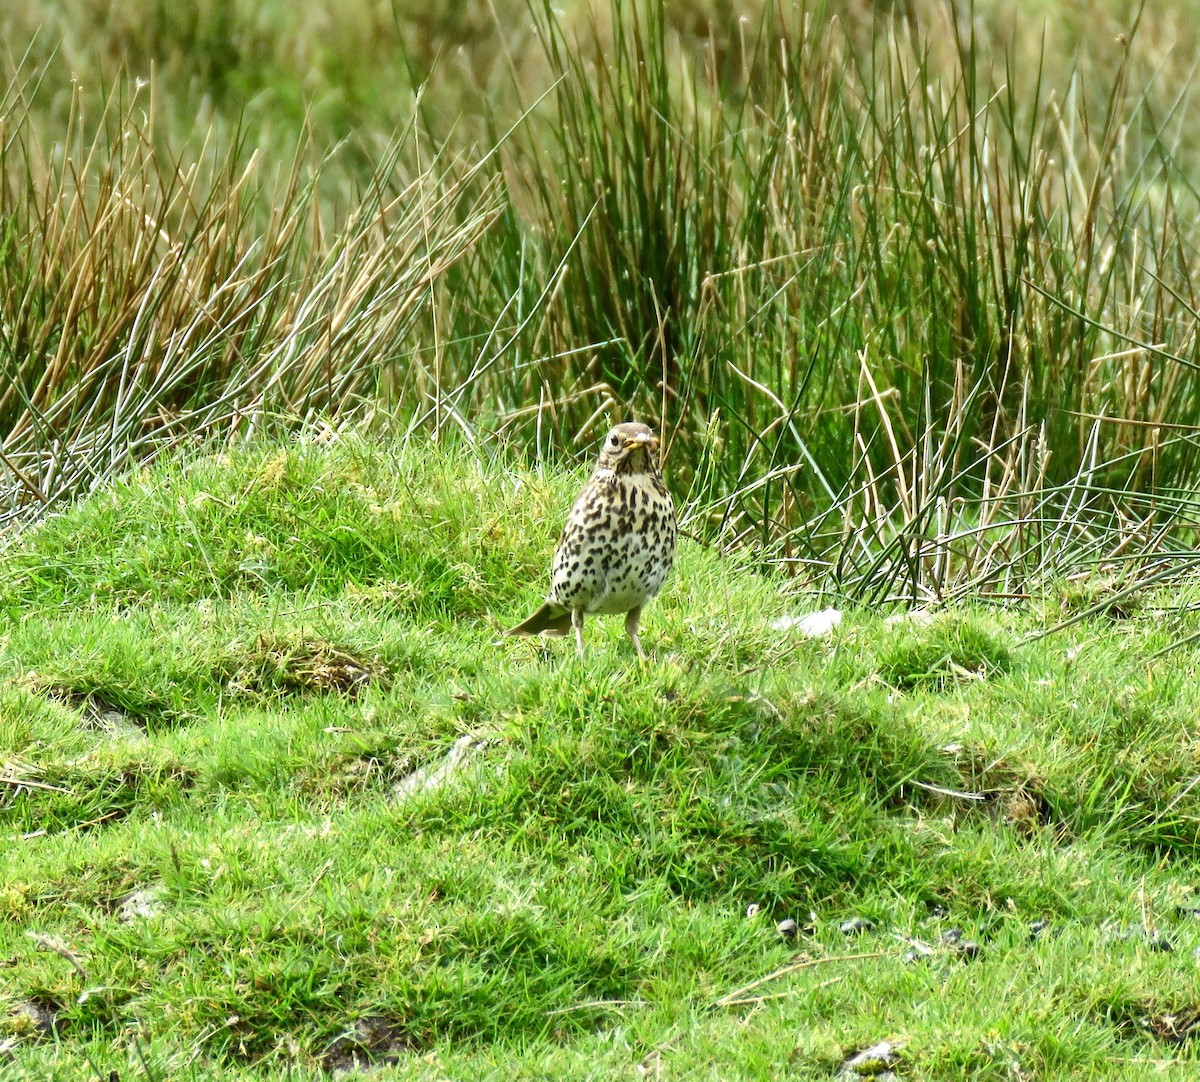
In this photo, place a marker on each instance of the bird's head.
(630, 448)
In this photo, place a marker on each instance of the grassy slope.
(176, 657)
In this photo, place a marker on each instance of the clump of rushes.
(152, 295)
(909, 304)
(912, 320)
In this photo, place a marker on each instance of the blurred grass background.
(909, 287)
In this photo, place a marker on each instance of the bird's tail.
(551, 618)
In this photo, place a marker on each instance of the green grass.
(300, 314)
(219, 674)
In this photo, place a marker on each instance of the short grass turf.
(277, 800)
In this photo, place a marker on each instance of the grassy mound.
(277, 800)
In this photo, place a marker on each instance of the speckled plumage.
(618, 543)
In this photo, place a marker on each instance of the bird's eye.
(614, 439)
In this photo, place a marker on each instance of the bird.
(618, 543)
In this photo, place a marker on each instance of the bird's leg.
(631, 629)
(577, 623)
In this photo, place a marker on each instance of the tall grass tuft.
(917, 323)
(154, 291)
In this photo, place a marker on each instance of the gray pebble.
(870, 1062)
(41, 1019)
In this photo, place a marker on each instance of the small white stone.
(435, 775)
(813, 625)
(141, 904)
(873, 1060)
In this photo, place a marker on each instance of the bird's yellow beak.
(642, 439)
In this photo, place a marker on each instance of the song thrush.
(618, 543)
